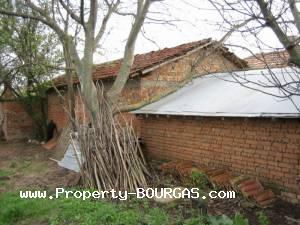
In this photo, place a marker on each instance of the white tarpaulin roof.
(219, 95)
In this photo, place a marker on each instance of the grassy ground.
(74, 211)
(27, 167)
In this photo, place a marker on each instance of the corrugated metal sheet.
(219, 95)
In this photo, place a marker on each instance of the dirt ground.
(28, 165)
(24, 165)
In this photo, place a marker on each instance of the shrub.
(262, 218)
(199, 180)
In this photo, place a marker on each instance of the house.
(215, 121)
(152, 76)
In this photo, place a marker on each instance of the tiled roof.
(152, 59)
(272, 59)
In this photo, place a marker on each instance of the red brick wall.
(168, 77)
(264, 148)
(17, 123)
(56, 110)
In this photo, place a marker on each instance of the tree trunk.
(292, 48)
(69, 78)
(88, 87)
(128, 59)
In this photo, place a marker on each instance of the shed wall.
(269, 150)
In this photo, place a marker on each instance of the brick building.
(241, 134)
(216, 122)
(152, 76)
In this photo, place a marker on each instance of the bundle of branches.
(112, 157)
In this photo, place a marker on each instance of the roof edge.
(221, 114)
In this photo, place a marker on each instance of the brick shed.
(152, 76)
(217, 122)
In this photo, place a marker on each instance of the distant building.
(274, 59)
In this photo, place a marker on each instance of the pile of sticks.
(112, 157)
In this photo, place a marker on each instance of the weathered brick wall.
(264, 148)
(17, 123)
(56, 110)
(169, 77)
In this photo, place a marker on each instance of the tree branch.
(111, 9)
(295, 13)
(288, 44)
(71, 13)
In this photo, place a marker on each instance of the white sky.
(201, 23)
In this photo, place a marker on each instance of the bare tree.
(78, 26)
(283, 18)
(86, 16)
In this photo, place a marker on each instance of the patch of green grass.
(195, 221)
(13, 164)
(4, 184)
(199, 180)
(28, 167)
(157, 217)
(23, 167)
(17, 209)
(15, 167)
(6, 173)
(75, 211)
(262, 218)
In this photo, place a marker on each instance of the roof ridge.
(265, 53)
(203, 41)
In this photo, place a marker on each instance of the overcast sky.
(197, 23)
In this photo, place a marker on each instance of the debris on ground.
(72, 158)
(222, 178)
(292, 221)
(51, 143)
(2, 178)
(60, 141)
(165, 199)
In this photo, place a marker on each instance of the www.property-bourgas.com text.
(159, 193)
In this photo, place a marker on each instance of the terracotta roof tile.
(275, 59)
(150, 59)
